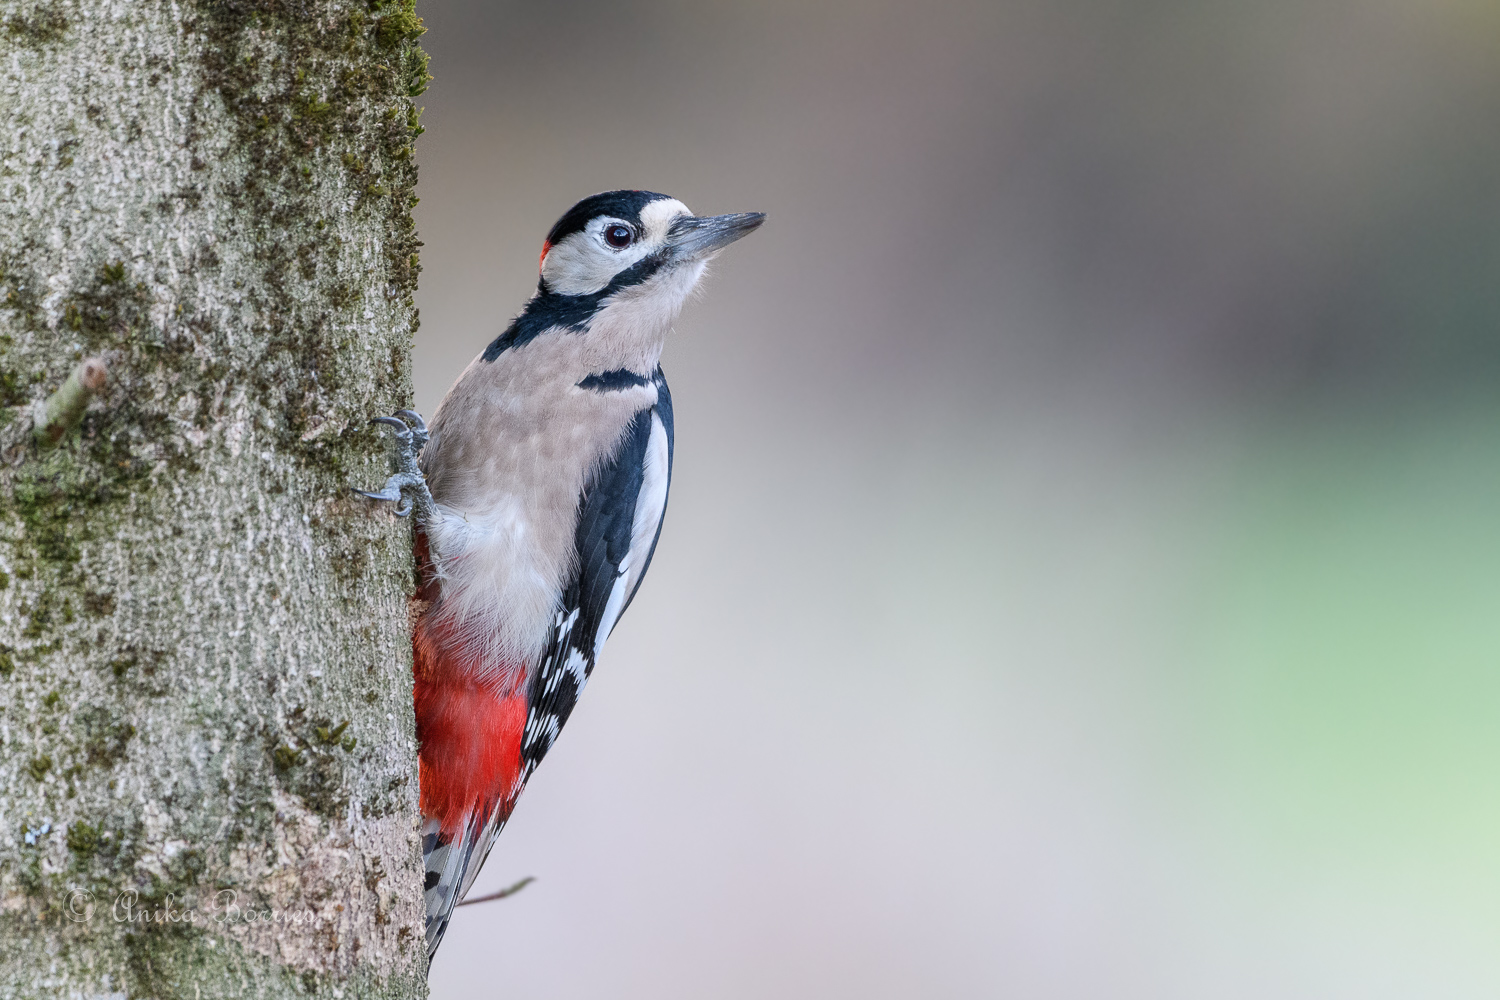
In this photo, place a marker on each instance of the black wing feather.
(663, 412)
(606, 520)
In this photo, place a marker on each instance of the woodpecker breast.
(508, 490)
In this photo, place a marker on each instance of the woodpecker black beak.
(695, 237)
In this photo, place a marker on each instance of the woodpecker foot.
(407, 486)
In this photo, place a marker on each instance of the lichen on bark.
(207, 759)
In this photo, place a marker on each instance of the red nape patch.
(471, 747)
(546, 249)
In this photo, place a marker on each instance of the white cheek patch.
(657, 218)
(583, 264)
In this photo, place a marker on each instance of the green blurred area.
(1349, 639)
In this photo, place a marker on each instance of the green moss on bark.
(203, 659)
(38, 26)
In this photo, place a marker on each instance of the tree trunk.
(207, 759)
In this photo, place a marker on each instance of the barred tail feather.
(447, 862)
(454, 864)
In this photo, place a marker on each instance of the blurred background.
(1082, 576)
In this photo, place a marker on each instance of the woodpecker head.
(638, 240)
(619, 266)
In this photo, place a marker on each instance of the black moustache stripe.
(549, 310)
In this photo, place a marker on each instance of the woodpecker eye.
(618, 236)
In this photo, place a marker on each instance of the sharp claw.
(408, 474)
(403, 432)
(418, 427)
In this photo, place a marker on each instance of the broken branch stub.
(64, 408)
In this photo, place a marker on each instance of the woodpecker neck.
(630, 325)
(621, 326)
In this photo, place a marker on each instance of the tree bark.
(207, 755)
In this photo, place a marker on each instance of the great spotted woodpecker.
(539, 493)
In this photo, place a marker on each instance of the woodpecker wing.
(620, 515)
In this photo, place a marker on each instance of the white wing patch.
(552, 674)
(613, 606)
(649, 506)
(577, 666)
